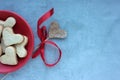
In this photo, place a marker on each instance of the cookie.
(10, 38)
(9, 57)
(1, 22)
(20, 48)
(9, 22)
(56, 32)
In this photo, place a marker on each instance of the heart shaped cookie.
(9, 57)
(56, 32)
(10, 38)
(20, 48)
(9, 22)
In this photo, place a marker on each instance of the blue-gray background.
(91, 50)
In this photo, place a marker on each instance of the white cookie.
(9, 57)
(1, 22)
(9, 22)
(10, 38)
(20, 48)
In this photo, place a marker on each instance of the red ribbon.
(42, 34)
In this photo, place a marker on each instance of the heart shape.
(10, 38)
(56, 32)
(9, 57)
(9, 22)
(20, 48)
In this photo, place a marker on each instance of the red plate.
(21, 27)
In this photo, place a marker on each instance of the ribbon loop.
(42, 34)
(60, 53)
(43, 56)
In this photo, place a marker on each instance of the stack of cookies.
(12, 45)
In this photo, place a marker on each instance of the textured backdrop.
(91, 50)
